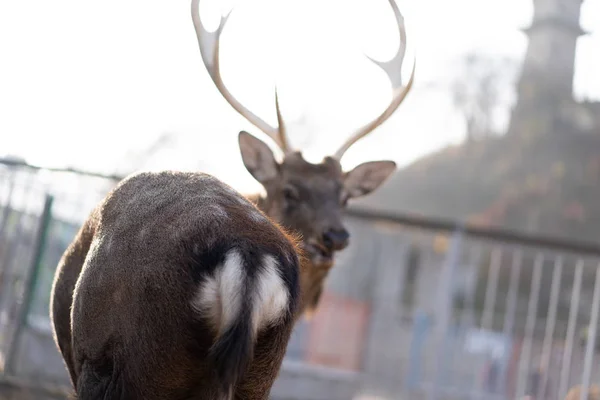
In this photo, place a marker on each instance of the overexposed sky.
(87, 83)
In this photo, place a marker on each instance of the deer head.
(305, 197)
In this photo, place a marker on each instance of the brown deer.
(176, 287)
(307, 198)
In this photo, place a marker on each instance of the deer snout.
(336, 239)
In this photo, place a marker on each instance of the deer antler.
(392, 68)
(209, 49)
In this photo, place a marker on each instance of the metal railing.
(40, 212)
(416, 308)
(513, 315)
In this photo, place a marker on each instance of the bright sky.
(85, 83)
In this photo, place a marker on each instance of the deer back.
(187, 289)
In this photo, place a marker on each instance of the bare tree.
(481, 91)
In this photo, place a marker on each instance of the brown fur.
(319, 192)
(120, 302)
(323, 191)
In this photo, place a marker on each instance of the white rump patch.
(270, 295)
(220, 296)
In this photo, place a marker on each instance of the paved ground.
(14, 389)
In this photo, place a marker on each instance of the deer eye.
(290, 193)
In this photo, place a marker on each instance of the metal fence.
(40, 212)
(487, 314)
(414, 309)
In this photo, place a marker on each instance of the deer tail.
(248, 291)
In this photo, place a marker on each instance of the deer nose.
(336, 239)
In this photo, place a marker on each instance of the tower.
(546, 80)
(549, 64)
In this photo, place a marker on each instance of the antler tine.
(282, 131)
(393, 70)
(209, 44)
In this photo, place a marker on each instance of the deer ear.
(257, 157)
(367, 177)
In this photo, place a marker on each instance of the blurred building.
(540, 177)
(545, 89)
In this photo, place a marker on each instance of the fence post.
(30, 284)
(8, 205)
(382, 364)
(444, 309)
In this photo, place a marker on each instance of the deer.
(306, 198)
(176, 287)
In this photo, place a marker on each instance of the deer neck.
(312, 281)
(312, 277)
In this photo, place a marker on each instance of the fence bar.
(381, 365)
(550, 324)
(29, 284)
(565, 371)
(7, 206)
(13, 255)
(24, 165)
(591, 339)
(489, 303)
(491, 288)
(469, 312)
(444, 310)
(511, 306)
(530, 325)
(499, 235)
